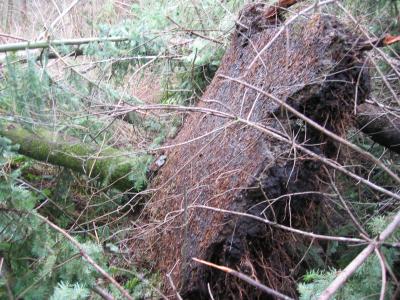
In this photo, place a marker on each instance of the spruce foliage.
(366, 282)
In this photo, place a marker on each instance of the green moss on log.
(110, 166)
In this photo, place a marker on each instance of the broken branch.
(245, 278)
(359, 260)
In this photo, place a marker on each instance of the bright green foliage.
(29, 248)
(66, 291)
(39, 263)
(365, 282)
(21, 91)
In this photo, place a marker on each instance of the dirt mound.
(313, 67)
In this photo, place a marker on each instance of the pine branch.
(86, 256)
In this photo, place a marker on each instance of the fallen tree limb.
(111, 166)
(38, 56)
(66, 42)
(380, 125)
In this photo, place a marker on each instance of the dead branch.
(283, 227)
(245, 278)
(359, 260)
(102, 293)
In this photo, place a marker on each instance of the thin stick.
(359, 260)
(347, 208)
(102, 293)
(384, 41)
(209, 291)
(172, 282)
(245, 278)
(383, 272)
(283, 227)
(13, 37)
(194, 32)
(67, 42)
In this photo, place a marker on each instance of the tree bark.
(110, 166)
(312, 67)
(381, 125)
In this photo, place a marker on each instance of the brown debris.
(313, 67)
(274, 10)
(385, 41)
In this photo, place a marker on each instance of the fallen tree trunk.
(110, 166)
(315, 68)
(381, 125)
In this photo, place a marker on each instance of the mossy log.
(110, 166)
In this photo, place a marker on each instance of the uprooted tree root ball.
(314, 65)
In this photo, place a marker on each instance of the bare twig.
(359, 260)
(172, 282)
(13, 37)
(385, 41)
(102, 293)
(246, 278)
(343, 201)
(383, 272)
(209, 291)
(193, 32)
(283, 227)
